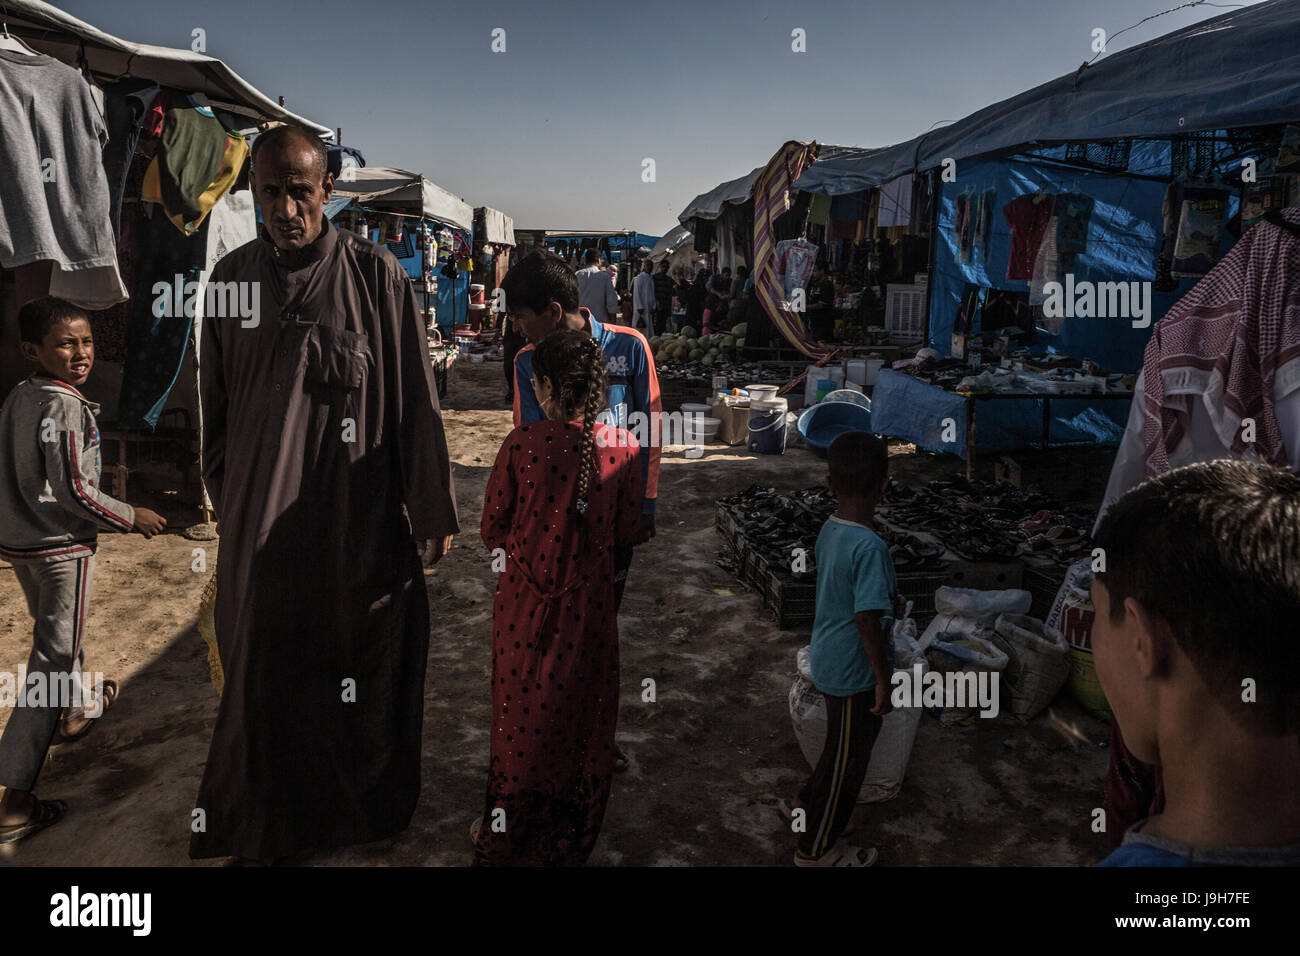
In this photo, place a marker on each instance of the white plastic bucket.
(761, 393)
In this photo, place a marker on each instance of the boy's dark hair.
(858, 461)
(1213, 550)
(537, 280)
(591, 257)
(36, 318)
(293, 131)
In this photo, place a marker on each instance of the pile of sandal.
(774, 524)
(993, 521)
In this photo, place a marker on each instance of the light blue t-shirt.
(854, 573)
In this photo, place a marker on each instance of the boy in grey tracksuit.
(51, 510)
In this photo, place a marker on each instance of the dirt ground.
(709, 758)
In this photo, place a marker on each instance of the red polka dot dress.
(554, 641)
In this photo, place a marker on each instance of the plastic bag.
(982, 606)
(967, 654)
(1038, 662)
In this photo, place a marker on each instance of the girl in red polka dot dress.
(562, 495)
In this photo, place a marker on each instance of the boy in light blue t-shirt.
(856, 598)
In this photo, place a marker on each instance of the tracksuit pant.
(57, 595)
(832, 790)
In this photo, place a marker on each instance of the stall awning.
(385, 187)
(497, 226)
(709, 205)
(62, 36)
(670, 243)
(1236, 70)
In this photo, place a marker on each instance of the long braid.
(593, 375)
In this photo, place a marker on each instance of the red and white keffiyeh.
(1229, 343)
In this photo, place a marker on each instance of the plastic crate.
(1042, 585)
(919, 587)
(792, 600)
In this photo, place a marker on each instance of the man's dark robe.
(322, 616)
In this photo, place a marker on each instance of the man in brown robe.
(325, 458)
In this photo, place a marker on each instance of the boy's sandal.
(45, 813)
(841, 854)
(108, 693)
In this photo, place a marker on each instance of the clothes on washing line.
(54, 193)
(126, 103)
(1047, 268)
(1027, 216)
(197, 163)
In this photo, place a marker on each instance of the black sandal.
(45, 813)
(109, 692)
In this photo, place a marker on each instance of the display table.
(938, 420)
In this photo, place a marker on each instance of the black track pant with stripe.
(58, 594)
(832, 790)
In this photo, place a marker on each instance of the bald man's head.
(292, 183)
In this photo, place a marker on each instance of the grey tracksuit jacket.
(51, 508)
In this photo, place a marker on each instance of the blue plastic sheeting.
(1124, 234)
(907, 408)
(1238, 69)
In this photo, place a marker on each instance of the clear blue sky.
(553, 131)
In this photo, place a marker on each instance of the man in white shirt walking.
(643, 298)
(595, 292)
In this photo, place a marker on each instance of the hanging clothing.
(964, 228)
(984, 207)
(1027, 216)
(1200, 225)
(1047, 268)
(55, 207)
(896, 202)
(819, 210)
(319, 581)
(198, 161)
(156, 344)
(1266, 196)
(794, 264)
(1231, 346)
(1072, 211)
(702, 230)
(555, 676)
(126, 103)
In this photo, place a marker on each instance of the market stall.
(428, 228)
(144, 223)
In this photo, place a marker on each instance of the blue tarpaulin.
(1123, 242)
(1236, 70)
(916, 411)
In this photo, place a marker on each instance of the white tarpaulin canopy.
(51, 31)
(384, 187)
(670, 243)
(709, 205)
(497, 226)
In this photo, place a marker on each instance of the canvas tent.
(1118, 130)
(396, 190)
(62, 36)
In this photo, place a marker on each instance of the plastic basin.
(822, 423)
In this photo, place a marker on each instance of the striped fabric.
(771, 199)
